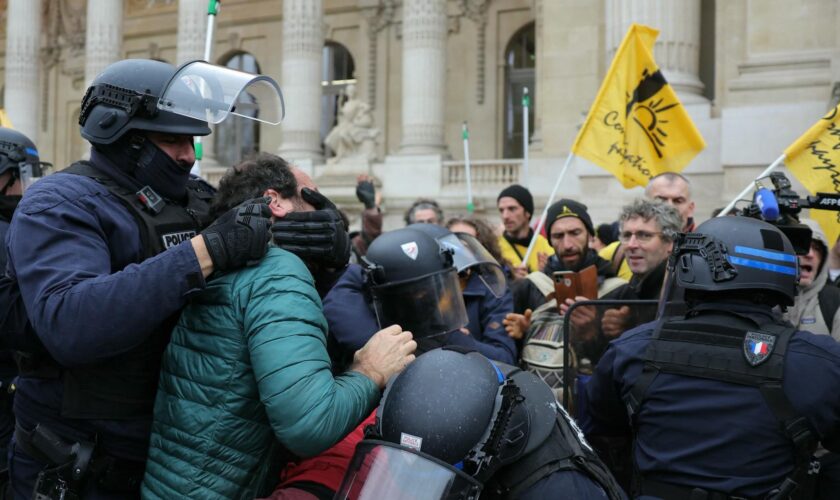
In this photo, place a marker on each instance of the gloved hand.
(240, 236)
(366, 193)
(319, 236)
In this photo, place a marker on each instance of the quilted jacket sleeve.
(309, 410)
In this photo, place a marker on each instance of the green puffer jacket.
(247, 367)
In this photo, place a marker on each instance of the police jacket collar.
(747, 311)
(104, 164)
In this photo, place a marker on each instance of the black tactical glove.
(366, 193)
(319, 236)
(240, 236)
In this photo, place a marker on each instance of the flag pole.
(212, 10)
(545, 210)
(465, 135)
(751, 185)
(526, 105)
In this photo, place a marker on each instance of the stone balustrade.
(484, 173)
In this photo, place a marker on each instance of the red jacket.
(329, 467)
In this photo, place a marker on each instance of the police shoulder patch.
(758, 347)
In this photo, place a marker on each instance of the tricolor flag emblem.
(758, 347)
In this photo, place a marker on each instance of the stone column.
(103, 36)
(23, 35)
(303, 43)
(677, 50)
(423, 76)
(192, 30)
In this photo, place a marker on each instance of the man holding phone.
(569, 229)
(648, 229)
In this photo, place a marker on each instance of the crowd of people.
(162, 338)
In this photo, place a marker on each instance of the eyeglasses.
(641, 236)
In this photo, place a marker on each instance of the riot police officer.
(105, 255)
(414, 277)
(725, 400)
(455, 425)
(19, 166)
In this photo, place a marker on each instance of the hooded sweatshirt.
(805, 312)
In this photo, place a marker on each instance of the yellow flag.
(4, 119)
(637, 128)
(814, 159)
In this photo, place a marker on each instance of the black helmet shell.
(16, 148)
(762, 256)
(445, 398)
(404, 254)
(124, 97)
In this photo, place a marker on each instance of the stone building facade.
(753, 74)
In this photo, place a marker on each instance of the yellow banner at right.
(637, 127)
(814, 159)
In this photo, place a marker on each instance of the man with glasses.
(647, 232)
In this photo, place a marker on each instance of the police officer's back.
(727, 399)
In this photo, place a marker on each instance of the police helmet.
(469, 256)
(737, 254)
(125, 96)
(462, 410)
(413, 283)
(16, 149)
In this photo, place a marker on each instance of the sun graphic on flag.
(647, 116)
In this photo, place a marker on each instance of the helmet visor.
(31, 172)
(385, 470)
(469, 254)
(427, 306)
(210, 93)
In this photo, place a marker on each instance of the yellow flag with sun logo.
(637, 127)
(814, 159)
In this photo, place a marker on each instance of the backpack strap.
(829, 298)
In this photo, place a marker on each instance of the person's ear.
(279, 206)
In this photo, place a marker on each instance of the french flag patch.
(758, 347)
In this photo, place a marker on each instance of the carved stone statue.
(354, 136)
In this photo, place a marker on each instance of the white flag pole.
(751, 186)
(526, 105)
(465, 135)
(212, 10)
(545, 211)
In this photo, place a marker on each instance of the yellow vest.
(608, 252)
(509, 253)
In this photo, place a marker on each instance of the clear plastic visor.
(428, 306)
(210, 93)
(384, 470)
(31, 172)
(469, 254)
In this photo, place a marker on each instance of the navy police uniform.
(79, 259)
(352, 321)
(698, 432)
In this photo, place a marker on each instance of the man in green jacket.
(246, 381)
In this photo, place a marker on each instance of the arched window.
(520, 61)
(235, 139)
(338, 71)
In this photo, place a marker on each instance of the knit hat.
(521, 195)
(568, 208)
